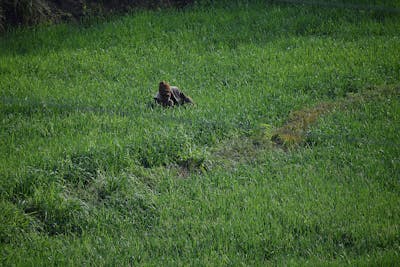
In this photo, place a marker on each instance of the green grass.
(92, 174)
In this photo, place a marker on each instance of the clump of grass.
(56, 212)
(193, 162)
(239, 150)
(14, 223)
(82, 168)
(126, 197)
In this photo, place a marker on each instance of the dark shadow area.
(14, 13)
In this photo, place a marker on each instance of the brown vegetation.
(294, 130)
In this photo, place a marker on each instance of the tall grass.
(93, 173)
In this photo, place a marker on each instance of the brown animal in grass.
(170, 96)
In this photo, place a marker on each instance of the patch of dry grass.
(294, 131)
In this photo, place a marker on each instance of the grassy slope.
(83, 176)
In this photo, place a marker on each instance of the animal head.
(164, 89)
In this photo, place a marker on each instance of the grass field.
(91, 173)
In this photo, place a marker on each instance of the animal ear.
(164, 86)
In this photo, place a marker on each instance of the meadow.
(93, 173)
